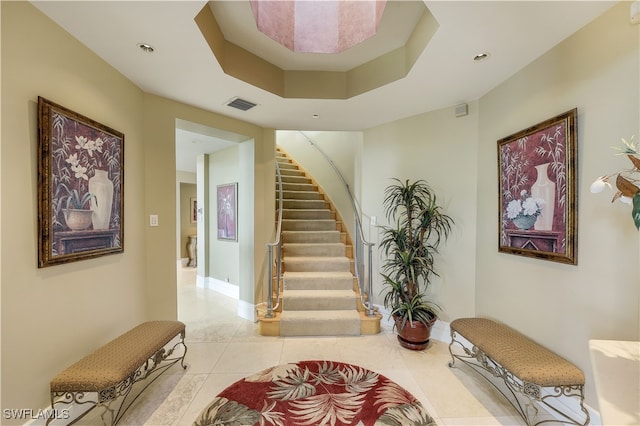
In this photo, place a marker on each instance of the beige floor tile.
(248, 357)
(156, 396)
(309, 348)
(202, 356)
(214, 384)
(174, 406)
(223, 348)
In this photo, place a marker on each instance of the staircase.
(320, 296)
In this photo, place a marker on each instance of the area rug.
(315, 393)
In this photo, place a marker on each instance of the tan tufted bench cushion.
(118, 359)
(524, 358)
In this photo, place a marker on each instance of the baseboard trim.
(247, 310)
(220, 286)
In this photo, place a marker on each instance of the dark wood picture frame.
(537, 190)
(227, 211)
(80, 186)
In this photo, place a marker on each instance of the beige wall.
(69, 309)
(160, 116)
(53, 316)
(562, 306)
(441, 149)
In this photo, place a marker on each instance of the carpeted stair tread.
(310, 236)
(313, 263)
(297, 186)
(308, 225)
(318, 300)
(320, 280)
(314, 249)
(306, 214)
(292, 172)
(299, 195)
(304, 204)
(295, 179)
(286, 165)
(320, 323)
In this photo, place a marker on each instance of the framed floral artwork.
(80, 186)
(537, 190)
(227, 211)
(193, 212)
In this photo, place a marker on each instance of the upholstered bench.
(528, 369)
(110, 372)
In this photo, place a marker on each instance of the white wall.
(187, 192)
(440, 149)
(183, 226)
(227, 260)
(223, 256)
(563, 306)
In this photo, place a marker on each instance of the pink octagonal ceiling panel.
(318, 26)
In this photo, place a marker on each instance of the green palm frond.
(410, 246)
(628, 147)
(635, 213)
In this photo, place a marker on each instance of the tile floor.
(223, 348)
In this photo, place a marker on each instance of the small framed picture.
(227, 208)
(193, 218)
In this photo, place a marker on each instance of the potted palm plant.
(417, 227)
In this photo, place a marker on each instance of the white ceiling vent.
(241, 104)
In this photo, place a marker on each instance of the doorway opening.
(207, 158)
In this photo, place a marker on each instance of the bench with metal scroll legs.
(531, 374)
(106, 377)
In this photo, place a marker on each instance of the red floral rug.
(314, 393)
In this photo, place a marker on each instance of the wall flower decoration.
(627, 181)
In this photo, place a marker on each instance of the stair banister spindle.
(369, 302)
(276, 244)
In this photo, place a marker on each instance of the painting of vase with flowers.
(537, 194)
(80, 182)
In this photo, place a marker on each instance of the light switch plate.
(153, 220)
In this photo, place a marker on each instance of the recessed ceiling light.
(146, 47)
(481, 56)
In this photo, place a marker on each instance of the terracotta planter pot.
(414, 335)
